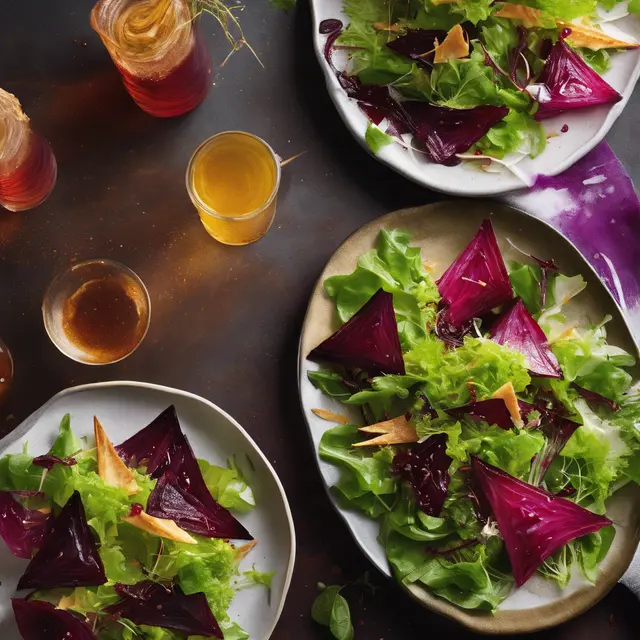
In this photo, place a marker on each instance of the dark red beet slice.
(533, 523)
(168, 500)
(425, 466)
(445, 132)
(418, 44)
(152, 604)
(68, 556)
(568, 82)
(22, 529)
(517, 329)
(48, 461)
(477, 280)
(150, 446)
(368, 341)
(492, 411)
(161, 446)
(39, 620)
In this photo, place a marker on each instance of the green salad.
(134, 542)
(474, 78)
(491, 429)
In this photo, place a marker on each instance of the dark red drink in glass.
(28, 168)
(164, 63)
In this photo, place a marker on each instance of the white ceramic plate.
(587, 127)
(123, 409)
(441, 231)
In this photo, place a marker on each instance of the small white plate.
(124, 408)
(587, 127)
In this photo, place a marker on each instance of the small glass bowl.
(73, 281)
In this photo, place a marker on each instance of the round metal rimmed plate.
(442, 230)
(124, 408)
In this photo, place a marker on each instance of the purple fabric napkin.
(595, 205)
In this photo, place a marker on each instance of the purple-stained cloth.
(595, 205)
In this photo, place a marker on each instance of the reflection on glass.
(97, 311)
(164, 63)
(233, 179)
(27, 164)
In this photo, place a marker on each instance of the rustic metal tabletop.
(225, 321)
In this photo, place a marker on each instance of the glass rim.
(205, 208)
(85, 263)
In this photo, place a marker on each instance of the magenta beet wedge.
(368, 341)
(517, 329)
(533, 523)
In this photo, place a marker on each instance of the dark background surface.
(225, 321)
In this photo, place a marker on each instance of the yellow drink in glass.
(233, 179)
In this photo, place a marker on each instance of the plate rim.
(469, 619)
(27, 424)
(336, 94)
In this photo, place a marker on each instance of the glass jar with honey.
(233, 180)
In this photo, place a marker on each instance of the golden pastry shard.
(507, 393)
(396, 431)
(529, 17)
(331, 416)
(453, 47)
(241, 552)
(159, 527)
(580, 36)
(593, 39)
(111, 468)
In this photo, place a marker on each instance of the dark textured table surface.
(225, 321)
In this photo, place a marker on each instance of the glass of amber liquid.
(28, 167)
(233, 179)
(97, 311)
(164, 63)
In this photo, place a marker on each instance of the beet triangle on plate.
(162, 447)
(517, 329)
(168, 500)
(39, 620)
(568, 82)
(152, 604)
(533, 523)
(476, 281)
(369, 340)
(22, 529)
(68, 556)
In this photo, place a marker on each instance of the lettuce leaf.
(365, 476)
(479, 363)
(562, 8)
(397, 268)
(228, 486)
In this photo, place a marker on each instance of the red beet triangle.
(492, 411)
(152, 604)
(445, 132)
(426, 468)
(161, 447)
(168, 500)
(22, 529)
(39, 620)
(68, 556)
(369, 340)
(150, 446)
(568, 82)
(517, 329)
(476, 282)
(533, 523)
